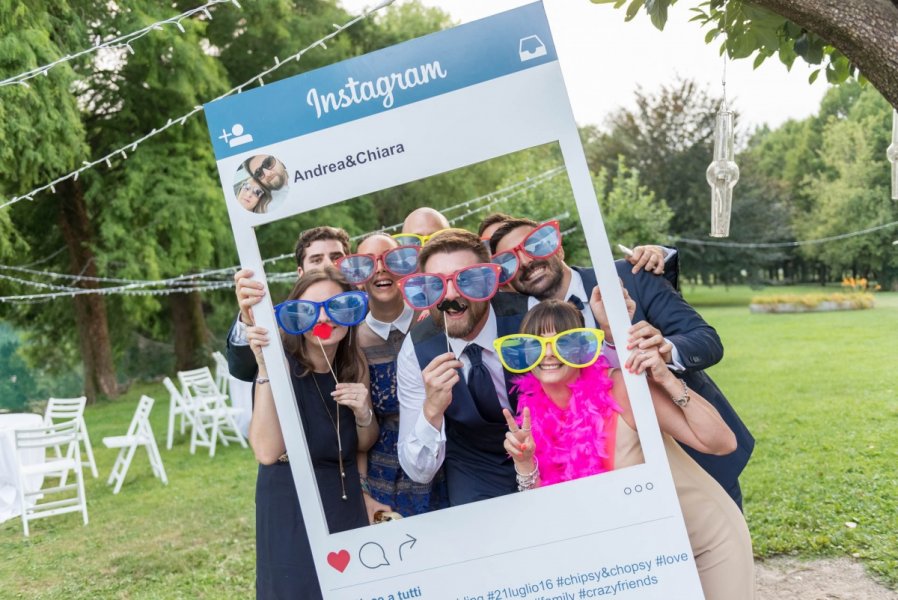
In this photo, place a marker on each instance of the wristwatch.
(683, 400)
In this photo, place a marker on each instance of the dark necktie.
(576, 301)
(481, 386)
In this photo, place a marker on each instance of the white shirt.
(422, 448)
(383, 328)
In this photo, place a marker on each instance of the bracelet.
(370, 419)
(683, 400)
(529, 480)
(365, 487)
(261, 380)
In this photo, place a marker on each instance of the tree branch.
(866, 31)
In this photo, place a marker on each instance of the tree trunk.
(189, 331)
(866, 31)
(90, 309)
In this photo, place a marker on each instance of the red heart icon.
(338, 560)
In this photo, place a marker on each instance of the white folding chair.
(66, 409)
(222, 373)
(178, 406)
(140, 433)
(214, 420)
(51, 436)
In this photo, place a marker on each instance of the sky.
(604, 59)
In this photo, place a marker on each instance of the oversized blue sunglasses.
(298, 316)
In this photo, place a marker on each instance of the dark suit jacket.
(699, 347)
(241, 360)
(477, 466)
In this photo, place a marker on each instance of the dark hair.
(307, 237)
(506, 228)
(492, 219)
(245, 163)
(453, 240)
(551, 315)
(349, 363)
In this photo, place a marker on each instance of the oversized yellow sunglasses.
(522, 352)
(413, 239)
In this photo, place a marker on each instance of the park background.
(814, 388)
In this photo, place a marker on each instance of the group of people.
(261, 184)
(438, 367)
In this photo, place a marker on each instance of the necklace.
(336, 424)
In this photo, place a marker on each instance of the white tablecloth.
(9, 467)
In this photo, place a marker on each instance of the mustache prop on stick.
(443, 307)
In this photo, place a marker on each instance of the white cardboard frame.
(588, 538)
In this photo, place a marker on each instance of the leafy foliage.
(748, 30)
(159, 214)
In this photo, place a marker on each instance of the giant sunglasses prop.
(413, 239)
(298, 316)
(544, 241)
(476, 283)
(522, 352)
(360, 268)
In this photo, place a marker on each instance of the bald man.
(425, 221)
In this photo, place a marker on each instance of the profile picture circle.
(261, 183)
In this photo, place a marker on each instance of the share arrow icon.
(410, 542)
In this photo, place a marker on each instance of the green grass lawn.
(191, 539)
(818, 390)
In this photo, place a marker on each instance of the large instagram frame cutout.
(458, 97)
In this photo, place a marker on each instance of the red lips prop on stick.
(322, 331)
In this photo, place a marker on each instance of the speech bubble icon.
(372, 555)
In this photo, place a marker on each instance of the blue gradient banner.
(380, 81)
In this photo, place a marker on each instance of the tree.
(667, 138)
(159, 213)
(845, 37)
(43, 136)
(631, 212)
(850, 190)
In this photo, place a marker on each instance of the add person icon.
(238, 138)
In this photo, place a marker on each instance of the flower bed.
(792, 303)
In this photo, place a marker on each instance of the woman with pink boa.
(576, 421)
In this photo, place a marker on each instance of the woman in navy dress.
(338, 422)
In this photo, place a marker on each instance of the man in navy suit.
(445, 417)
(662, 318)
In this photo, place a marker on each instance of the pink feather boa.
(577, 441)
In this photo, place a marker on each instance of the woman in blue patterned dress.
(378, 264)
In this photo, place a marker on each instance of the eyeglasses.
(544, 241)
(298, 316)
(255, 191)
(522, 352)
(360, 268)
(267, 164)
(413, 239)
(476, 283)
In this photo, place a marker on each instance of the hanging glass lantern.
(722, 175)
(892, 154)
